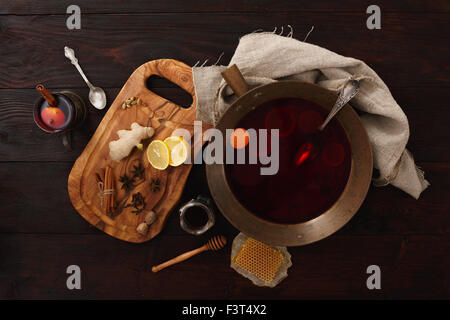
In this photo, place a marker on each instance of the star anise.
(155, 185)
(138, 171)
(127, 182)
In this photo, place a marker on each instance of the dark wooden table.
(41, 234)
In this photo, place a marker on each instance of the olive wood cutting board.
(164, 116)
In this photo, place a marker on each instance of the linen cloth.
(266, 57)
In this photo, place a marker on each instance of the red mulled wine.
(294, 194)
(56, 117)
(68, 112)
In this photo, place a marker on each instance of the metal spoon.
(312, 146)
(97, 96)
(348, 91)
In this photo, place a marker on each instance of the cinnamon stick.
(111, 187)
(106, 187)
(109, 198)
(51, 100)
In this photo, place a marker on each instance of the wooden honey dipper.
(215, 243)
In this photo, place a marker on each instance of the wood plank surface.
(21, 140)
(31, 206)
(26, 7)
(112, 45)
(41, 234)
(332, 268)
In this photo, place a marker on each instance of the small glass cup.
(197, 216)
(73, 107)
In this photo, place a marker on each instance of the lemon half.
(158, 154)
(178, 150)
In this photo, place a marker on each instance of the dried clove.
(137, 202)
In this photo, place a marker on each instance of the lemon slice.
(178, 150)
(158, 154)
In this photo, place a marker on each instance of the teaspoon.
(97, 96)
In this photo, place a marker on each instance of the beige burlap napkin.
(267, 57)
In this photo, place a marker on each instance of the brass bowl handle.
(235, 80)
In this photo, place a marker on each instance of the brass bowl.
(328, 222)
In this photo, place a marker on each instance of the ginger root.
(128, 139)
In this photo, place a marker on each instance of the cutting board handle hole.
(169, 91)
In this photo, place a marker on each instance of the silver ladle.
(97, 96)
(348, 91)
(313, 144)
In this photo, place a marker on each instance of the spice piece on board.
(155, 185)
(128, 139)
(131, 102)
(143, 227)
(127, 182)
(137, 202)
(108, 191)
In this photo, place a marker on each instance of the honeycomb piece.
(259, 259)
